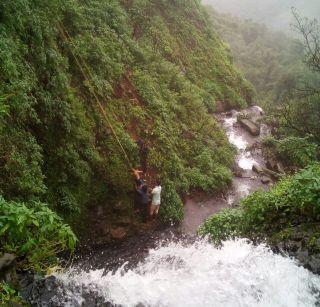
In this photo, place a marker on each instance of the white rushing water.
(198, 274)
(245, 159)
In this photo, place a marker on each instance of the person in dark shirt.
(141, 199)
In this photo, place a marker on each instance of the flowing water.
(198, 274)
(186, 270)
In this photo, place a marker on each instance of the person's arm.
(136, 173)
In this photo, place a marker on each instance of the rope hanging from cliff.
(66, 37)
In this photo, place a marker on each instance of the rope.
(65, 35)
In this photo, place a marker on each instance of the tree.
(301, 110)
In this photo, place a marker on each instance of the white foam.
(246, 161)
(239, 274)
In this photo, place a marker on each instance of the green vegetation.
(297, 151)
(292, 202)
(34, 233)
(172, 209)
(157, 66)
(9, 296)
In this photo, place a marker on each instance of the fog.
(274, 13)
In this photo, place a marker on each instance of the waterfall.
(198, 274)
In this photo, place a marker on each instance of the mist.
(274, 13)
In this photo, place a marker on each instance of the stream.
(174, 267)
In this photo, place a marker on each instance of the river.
(174, 267)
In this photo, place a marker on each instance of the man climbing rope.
(138, 178)
(156, 199)
(141, 199)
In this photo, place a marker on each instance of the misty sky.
(274, 13)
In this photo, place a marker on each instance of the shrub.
(223, 226)
(171, 209)
(297, 151)
(10, 296)
(34, 233)
(293, 201)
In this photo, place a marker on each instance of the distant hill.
(271, 60)
(274, 13)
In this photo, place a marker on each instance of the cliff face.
(158, 67)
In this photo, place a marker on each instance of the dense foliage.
(34, 233)
(157, 66)
(292, 202)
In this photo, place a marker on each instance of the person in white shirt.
(156, 200)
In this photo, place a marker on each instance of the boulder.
(6, 260)
(237, 170)
(271, 173)
(302, 256)
(265, 180)
(314, 263)
(275, 166)
(279, 168)
(257, 168)
(250, 126)
(271, 164)
(8, 269)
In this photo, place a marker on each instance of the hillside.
(157, 67)
(271, 60)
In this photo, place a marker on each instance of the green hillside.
(159, 69)
(271, 60)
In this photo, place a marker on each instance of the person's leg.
(152, 208)
(157, 210)
(144, 213)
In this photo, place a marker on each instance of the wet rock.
(271, 173)
(250, 126)
(279, 168)
(257, 168)
(275, 166)
(257, 110)
(51, 292)
(8, 272)
(6, 260)
(265, 180)
(314, 263)
(237, 171)
(302, 256)
(118, 233)
(296, 236)
(294, 246)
